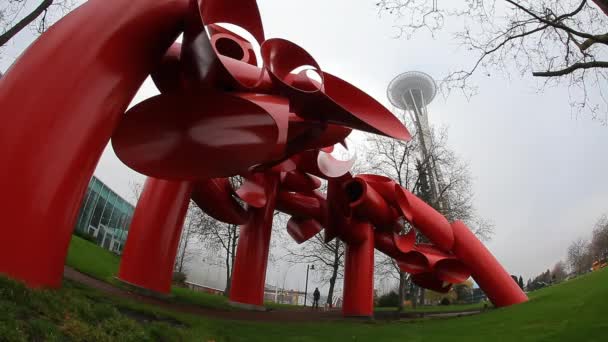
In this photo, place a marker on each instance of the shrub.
(444, 301)
(86, 236)
(390, 299)
(179, 278)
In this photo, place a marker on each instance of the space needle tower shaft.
(412, 92)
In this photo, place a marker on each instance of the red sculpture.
(271, 117)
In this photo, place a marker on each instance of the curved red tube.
(149, 254)
(252, 192)
(58, 119)
(383, 185)
(301, 230)
(300, 182)
(367, 204)
(167, 75)
(491, 277)
(214, 197)
(299, 205)
(429, 280)
(422, 216)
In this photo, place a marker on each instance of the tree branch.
(575, 66)
(10, 33)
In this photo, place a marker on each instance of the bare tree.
(136, 189)
(558, 273)
(15, 15)
(185, 252)
(220, 237)
(561, 41)
(598, 247)
(328, 259)
(579, 258)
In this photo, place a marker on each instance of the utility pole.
(308, 267)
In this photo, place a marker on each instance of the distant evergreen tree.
(521, 283)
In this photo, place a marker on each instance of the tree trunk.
(10, 33)
(413, 294)
(228, 264)
(402, 288)
(334, 274)
(184, 248)
(421, 296)
(230, 256)
(234, 240)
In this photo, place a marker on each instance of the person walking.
(316, 296)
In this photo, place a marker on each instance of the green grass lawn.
(90, 259)
(576, 310)
(99, 263)
(572, 311)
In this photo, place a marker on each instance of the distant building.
(105, 216)
(282, 296)
(203, 288)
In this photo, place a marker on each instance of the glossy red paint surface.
(301, 230)
(367, 204)
(300, 182)
(149, 254)
(253, 193)
(167, 75)
(383, 185)
(491, 277)
(249, 273)
(215, 197)
(174, 136)
(60, 103)
(299, 205)
(428, 220)
(429, 281)
(452, 270)
(359, 275)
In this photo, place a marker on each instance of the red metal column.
(149, 254)
(359, 274)
(491, 277)
(59, 103)
(249, 273)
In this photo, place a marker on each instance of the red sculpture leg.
(249, 273)
(60, 103)
(359, 274)
(149, 253)
(491, 277)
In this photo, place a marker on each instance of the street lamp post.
(308, 267)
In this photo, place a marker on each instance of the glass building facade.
(105, 216)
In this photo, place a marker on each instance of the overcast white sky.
(539, 172)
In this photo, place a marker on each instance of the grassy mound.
(75, 313)
(99, 263)
(572, 311)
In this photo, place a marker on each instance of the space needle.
(412, 92)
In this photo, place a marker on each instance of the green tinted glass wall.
(105, 215)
